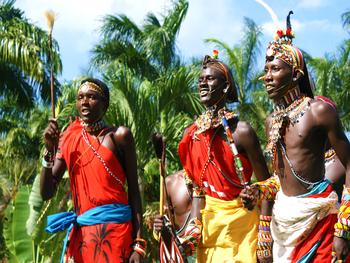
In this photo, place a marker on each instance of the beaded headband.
(94, 87)
(283, 49)
(217, 64)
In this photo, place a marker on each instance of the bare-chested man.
(305, 225)
(180, 194)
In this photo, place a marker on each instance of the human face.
(211, 84)
(278, 78)
(90, 105)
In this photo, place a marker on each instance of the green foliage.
(25, 58)
(18, 242)
(333, 80)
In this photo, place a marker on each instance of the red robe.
(320, 240)
(93, 186)
(193, 155)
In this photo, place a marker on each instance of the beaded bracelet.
(47, 164)
(49, 155)
(268, 188)
(265, 218)
(140, 246)
(265, 241)
(139, 249)
(342, 227)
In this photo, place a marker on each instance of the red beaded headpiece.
(282, 48)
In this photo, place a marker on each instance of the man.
(180, 194)
(219, 152)
(298, 129)
(101, 159)
(179, 190)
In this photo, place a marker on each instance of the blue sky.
(317, 24)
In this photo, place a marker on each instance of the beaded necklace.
(211, 119)
(92, 127)
(211, 161)
(295, 173)
(282, 116)
(86, 139)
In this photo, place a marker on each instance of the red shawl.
(193, 153)
(93, 186)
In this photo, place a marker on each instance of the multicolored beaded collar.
(211, 119)
(92, 127)
(282, 116)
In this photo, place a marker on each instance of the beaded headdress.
(282, 48)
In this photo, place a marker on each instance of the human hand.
(340, 250)
(135, 257)
(51, 135)
(158, 223)
(249, 196)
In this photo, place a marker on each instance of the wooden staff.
(159, 145)
(50, 19)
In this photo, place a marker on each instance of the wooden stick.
(50, 19)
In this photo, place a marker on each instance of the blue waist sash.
(111, 213)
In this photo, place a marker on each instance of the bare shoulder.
(123, 135)
(244, 129)
(323, 112)
(174, 178)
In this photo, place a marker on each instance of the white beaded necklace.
(86, 139)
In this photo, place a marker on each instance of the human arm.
(51, 176)
(193, 231)
(328, 119)
(249, 141)
(125, 140)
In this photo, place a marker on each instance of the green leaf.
(18, 242)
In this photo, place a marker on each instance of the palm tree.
(346, 20)
(24, 62)
(149, 83)
(149, 51)
(332, 79)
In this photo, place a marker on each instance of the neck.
(93, 128)
(292, 95)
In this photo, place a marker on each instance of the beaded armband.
(193, 234)
(140, 246)
(198, 192)
(268, 188)
(342, 227)
(265, 242)
(48, 159)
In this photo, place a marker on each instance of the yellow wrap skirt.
(229, 232)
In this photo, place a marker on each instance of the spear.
(50, 19)
(159, 146)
